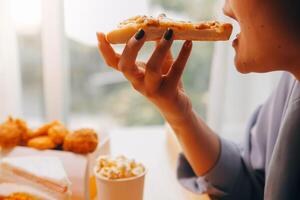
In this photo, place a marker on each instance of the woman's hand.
(160, 78)
(160, 81)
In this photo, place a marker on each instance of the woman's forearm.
(200, 144)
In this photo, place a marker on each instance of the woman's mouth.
(235, 41)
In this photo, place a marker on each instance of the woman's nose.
(227, 10)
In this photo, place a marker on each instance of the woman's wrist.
(176, 109)
(180, 119)
(179, 114)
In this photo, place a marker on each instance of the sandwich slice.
(46, 173)
(155, 27)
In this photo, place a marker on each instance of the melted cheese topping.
(162, 20)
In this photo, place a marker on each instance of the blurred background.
(50, 67)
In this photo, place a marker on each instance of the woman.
(267, 166)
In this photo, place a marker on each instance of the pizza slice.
(156, 27)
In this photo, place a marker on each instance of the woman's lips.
(235, 41)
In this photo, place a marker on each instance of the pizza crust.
(155, 28)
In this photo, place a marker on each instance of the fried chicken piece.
(25, 130)
(43, 130)
(81, 141)
(20, 196)
(41, 143)
(11, 133)
(58, 133)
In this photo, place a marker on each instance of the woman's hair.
(290, 10)
(293, 9)
(288, 13)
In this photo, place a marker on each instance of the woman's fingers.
(132, 49)
(111, 58)
(157, 60)
(127, 62)
(175, 73)
(159, 64)
(167, 63)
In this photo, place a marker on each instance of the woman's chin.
(242, 70)
(241, 66)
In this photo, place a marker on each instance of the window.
(28, 29)
(23, 91)
(51, 69)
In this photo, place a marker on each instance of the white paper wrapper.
(125, 189)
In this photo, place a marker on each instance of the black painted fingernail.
(168, 34)
(140, 34)
(188, 43)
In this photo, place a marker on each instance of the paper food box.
(68, 173)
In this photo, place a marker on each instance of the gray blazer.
(267, 165)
